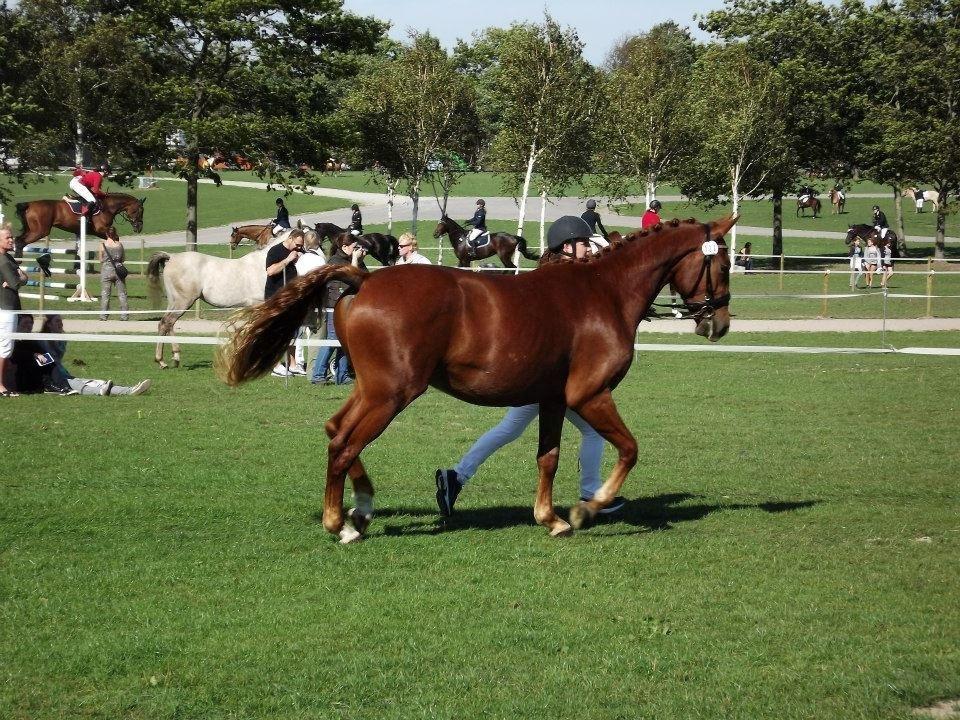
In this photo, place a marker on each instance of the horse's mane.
(636, 235)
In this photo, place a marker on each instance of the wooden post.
(781, 271)
(929, 293)
(826, 289)
(42, 288)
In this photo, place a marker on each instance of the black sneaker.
(448, 487)
(617, 504)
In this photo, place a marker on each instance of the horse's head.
(133, 209)
(702, 279)
(235, 237)
(441, 228)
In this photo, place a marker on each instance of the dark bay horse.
(328, 231)
(897, 248)
(260, 234)
(479, 338)
(385, 249)
(41, 216)
(808, 202)
(501, 244)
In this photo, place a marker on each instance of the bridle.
(705, 309)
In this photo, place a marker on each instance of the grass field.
(165, 208)
(162, 556)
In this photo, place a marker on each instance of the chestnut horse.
(41, 216)
(838, 201)
(259, 234)
(501, 244)
(479, 338)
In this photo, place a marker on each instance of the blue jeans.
(323, 359)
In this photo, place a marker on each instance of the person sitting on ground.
(281, 269)
(652, 216)
(33, 367)
(350, 254)
(592, 218)
(479, 222)
(11, 279)
(282, 221)
(744, 257)
(356, 221)
(63, 377)
(409, 251)
(567, 240)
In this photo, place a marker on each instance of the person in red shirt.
(86, 184)
(652, 216)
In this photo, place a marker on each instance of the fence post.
(929, 293)
(826, 290)
(143, 268)
(42, 288)
(781, 271)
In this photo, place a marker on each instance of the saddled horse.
(930, 196)
(385, 249)
(333, 166)
(808, 201)
(328, 231)
(222, 282)
(501, 244)
(39, 217)
(260, 235)
(862, 231)
(462, 333)
(838, 201)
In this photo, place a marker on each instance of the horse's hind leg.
(601, 412)
(362, 514)
(167, 322)
(360, 424)
(548, 458)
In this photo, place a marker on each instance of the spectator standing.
(334, 291)
(281, 269)
(308, 262)
(12, 279)
(652, 216)
(887, 261)
(568, 239)
(410, 251)
(856, 263)
(871, 258)
(113, 272)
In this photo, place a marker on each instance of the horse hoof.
(349, 535)
(580, 515)
(360, 520)
(561, 529)
(163, 365)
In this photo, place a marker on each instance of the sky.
(600, 23)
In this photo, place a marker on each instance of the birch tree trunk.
(526, 187)
(78, 145)
(543, 218)
(735, 195)
(390, 192)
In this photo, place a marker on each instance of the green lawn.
(165, 207)
(162, 556)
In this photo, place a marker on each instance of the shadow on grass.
(660, 512)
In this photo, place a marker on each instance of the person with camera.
(568, 240)
(350, 253)
(12, 278)
(113, 272)
(34, 365)
(281, 269)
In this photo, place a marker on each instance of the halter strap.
(699, 310)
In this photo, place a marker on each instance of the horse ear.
(142, 200)
(719, 228)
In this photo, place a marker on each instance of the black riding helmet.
(655, 205)
(591, 204)
(567, 229)
(482, 203)
(279, 201)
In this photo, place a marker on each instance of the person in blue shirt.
(479, 222)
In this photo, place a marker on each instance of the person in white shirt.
(409, 254)
(309, 261)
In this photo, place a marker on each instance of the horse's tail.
(157, 261)
(522, 247)
(262, 333)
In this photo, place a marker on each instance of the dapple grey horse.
(221, 282)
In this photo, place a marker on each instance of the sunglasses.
(406, 245)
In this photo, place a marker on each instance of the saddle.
(479, 241)
(78, 206)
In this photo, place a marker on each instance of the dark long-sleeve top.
(592, 218)
(880, 219)
(479, 219)
(283, 217)
(9, 274)
(336, 288)
(356, 222)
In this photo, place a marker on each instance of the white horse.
(930, 196)
(222, 282)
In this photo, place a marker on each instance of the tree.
(737, 127)
(234, 75)
(546, 96)
(642, 133)
(409, 111)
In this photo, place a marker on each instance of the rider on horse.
(282, 221)
(880, 222)
(806, 193)
(479, 222)
(86, 184)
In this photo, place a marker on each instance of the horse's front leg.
(601, 412)
(548, 458)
